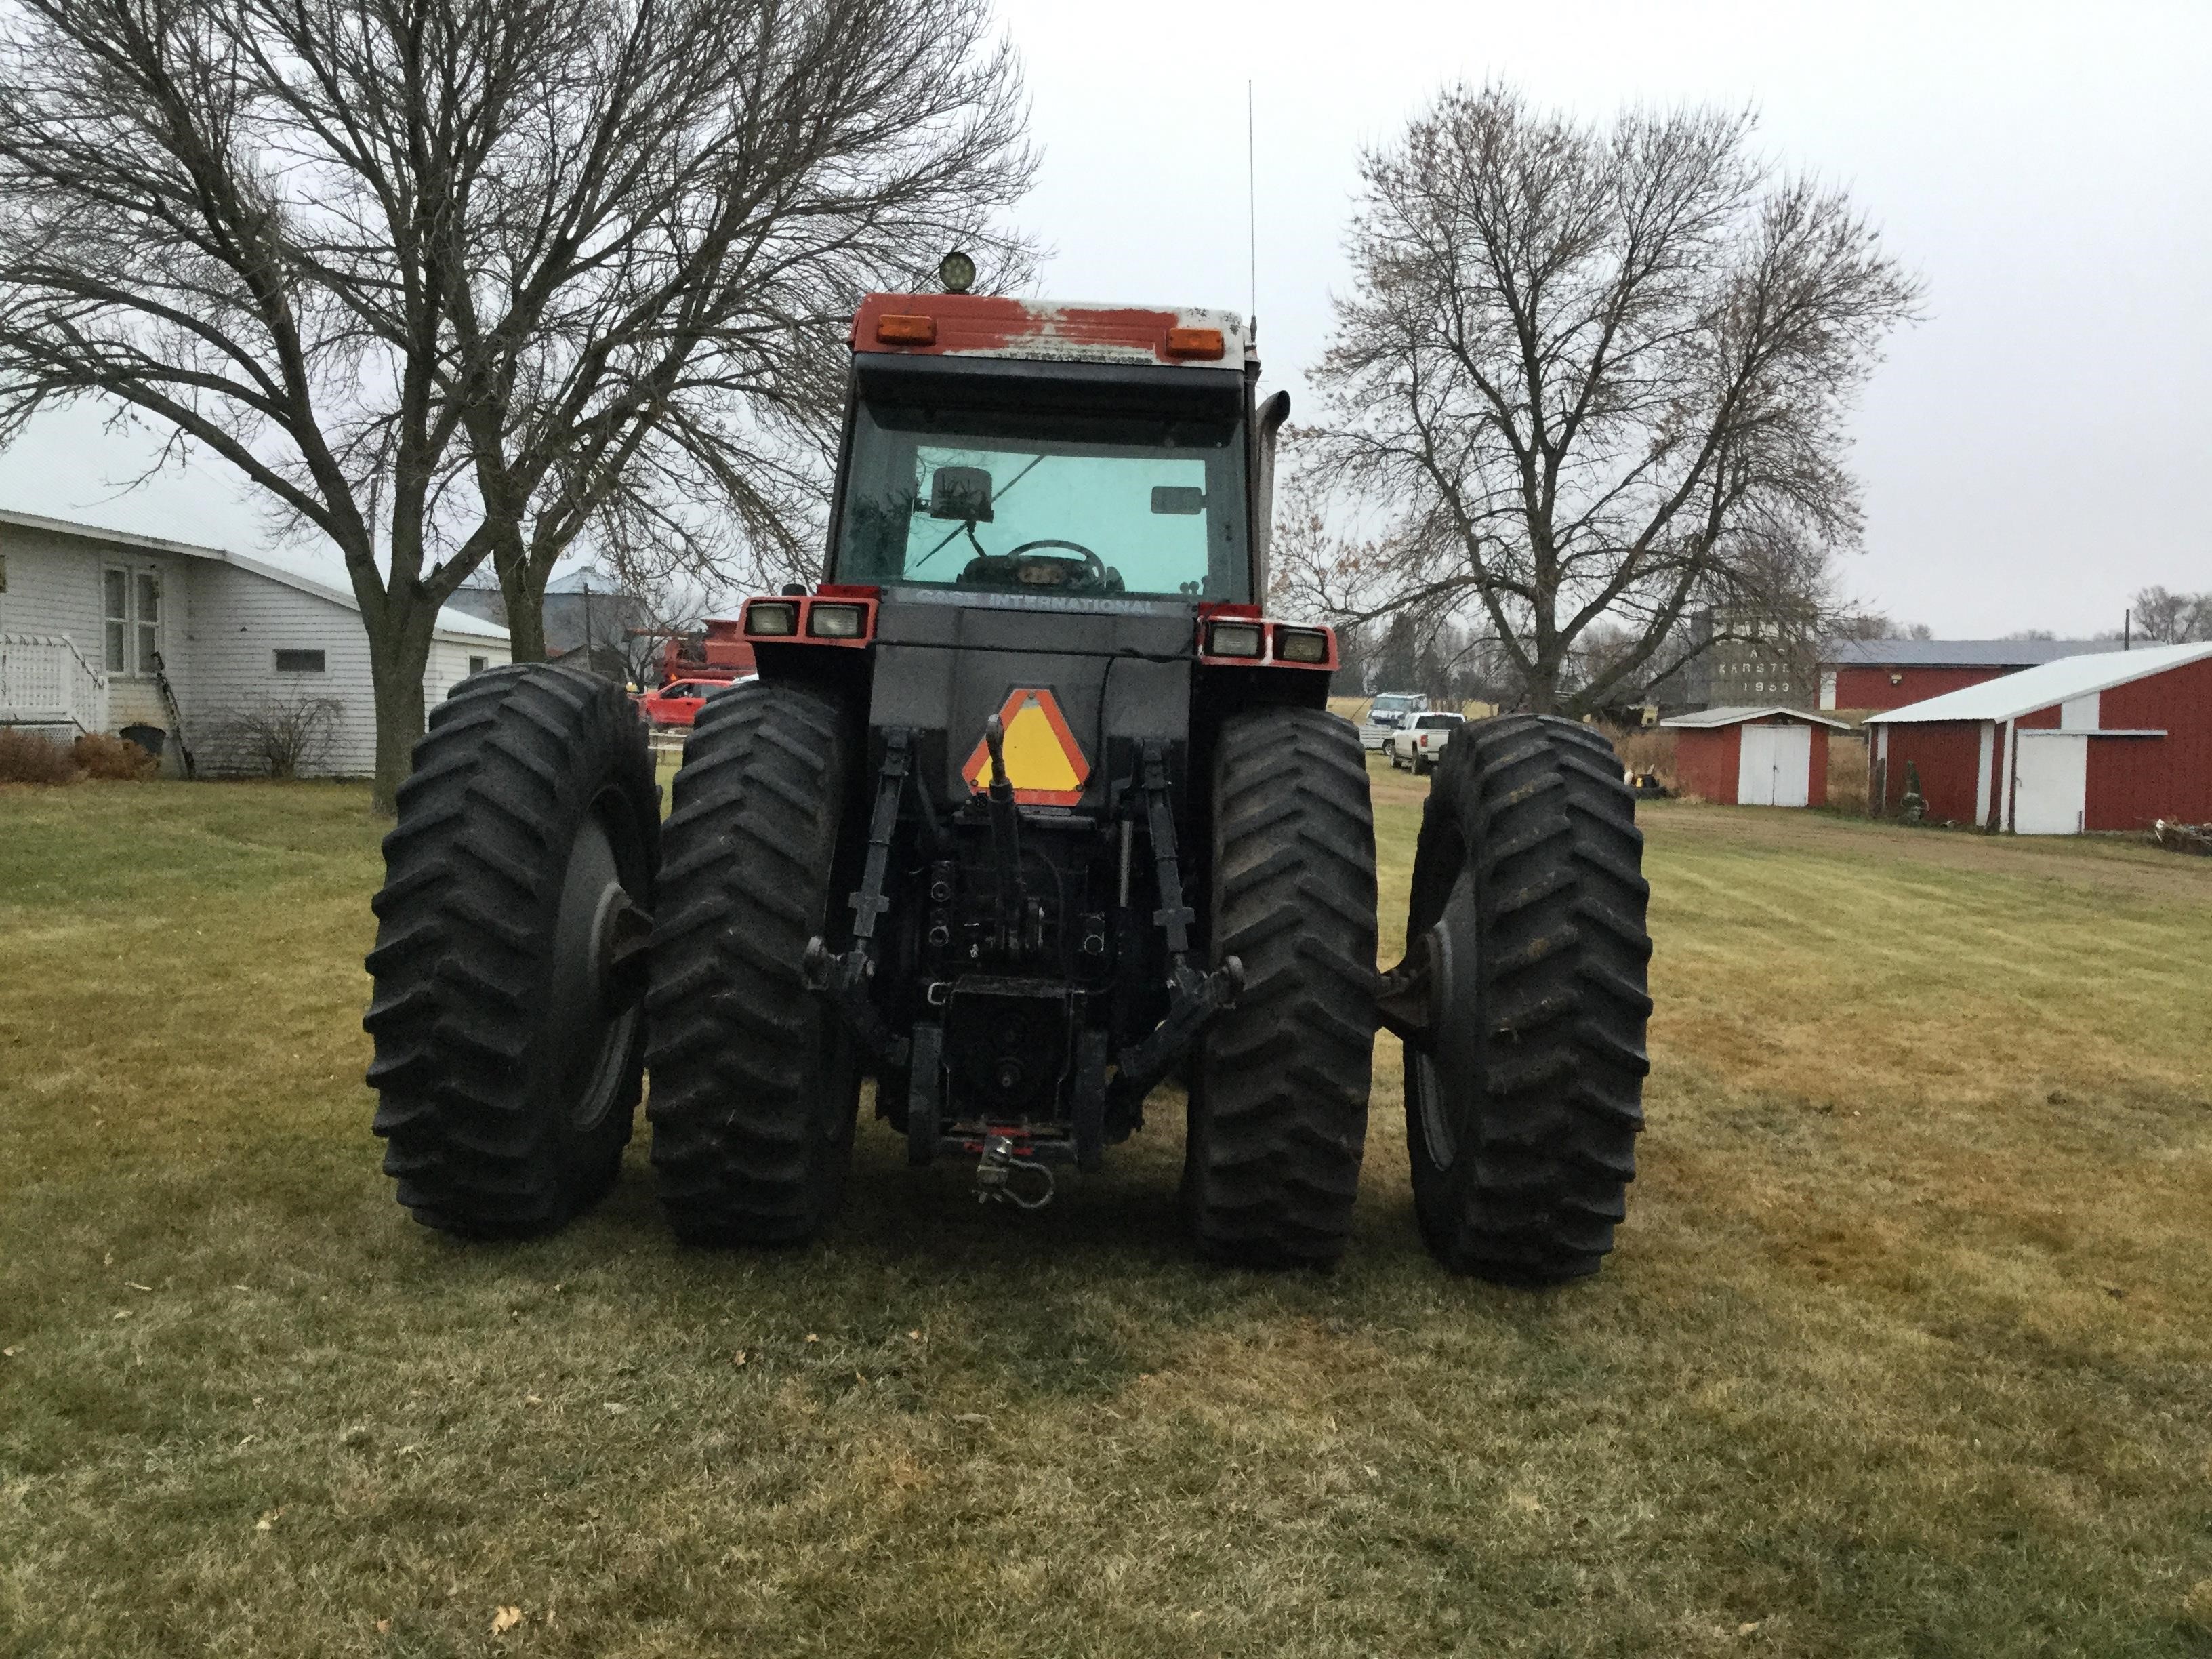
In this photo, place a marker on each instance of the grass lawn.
(1907, 1349)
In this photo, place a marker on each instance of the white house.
(86, 614)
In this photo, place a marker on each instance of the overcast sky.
(2032, 453)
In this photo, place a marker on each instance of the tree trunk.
(398, 662)
(522, 589)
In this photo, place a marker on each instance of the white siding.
(240, 621)
(449, 666)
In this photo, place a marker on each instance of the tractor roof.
(992, 325)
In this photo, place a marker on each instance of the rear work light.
(1301, 645)
(1195, 342)
(770, 617)
(1232, 639)
(910, 331)
(834, 622)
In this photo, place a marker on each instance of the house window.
(477, 665)
(147, 592)
(130, 617)
(300, 662)
(117, 609)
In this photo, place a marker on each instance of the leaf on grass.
(10, 1353)
(531, 1400)
(914, 1336)
(738, 1358)
(384, 1627)
(505, 1619)
(268, 1519)
(811, 1337)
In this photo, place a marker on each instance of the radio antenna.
(1252, 211)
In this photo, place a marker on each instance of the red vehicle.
(679, 702)
(718, 653)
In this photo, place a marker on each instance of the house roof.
(452, 624)
(1955, 654)
(2014, 695)
(1706, 720)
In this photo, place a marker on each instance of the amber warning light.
(910, 331)
(1195, 342)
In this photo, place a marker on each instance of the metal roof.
(459, 623)
(2014, 695)
(1955, 654)
(1706, 720)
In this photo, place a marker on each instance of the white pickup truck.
(1388, 712)
(1419, 744)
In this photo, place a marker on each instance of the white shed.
(86, 613)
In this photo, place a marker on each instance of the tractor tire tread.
(1279, 1107)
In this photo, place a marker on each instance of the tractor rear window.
(1139, 504)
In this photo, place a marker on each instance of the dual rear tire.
(511, 1035)
(1523, 1111)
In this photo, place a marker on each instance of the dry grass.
(1847, 772)
(1907, 1351)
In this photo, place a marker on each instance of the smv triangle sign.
(1044, 762)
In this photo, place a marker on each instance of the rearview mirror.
(1185, 501)
(961, 493)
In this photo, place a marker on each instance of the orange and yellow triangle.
(1044, 762)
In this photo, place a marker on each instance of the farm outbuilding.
(1865, 674)
(1753, 756)
(2110, 742)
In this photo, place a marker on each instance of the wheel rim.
(1436, 1133)
(1445, 1077)
(588, 1032)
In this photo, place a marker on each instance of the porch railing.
(45, 680)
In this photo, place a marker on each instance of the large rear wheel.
(509, 958)
(1278, 1096)
(1522, 1112)
(755, 1082)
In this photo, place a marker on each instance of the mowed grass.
(1906, 1349)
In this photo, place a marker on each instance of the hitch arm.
(1006, 838)
(844, 977)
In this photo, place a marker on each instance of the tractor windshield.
(1038, 502)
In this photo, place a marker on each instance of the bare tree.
(448, 280)
(2164, 618)
(1597, 374)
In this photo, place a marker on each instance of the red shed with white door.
(2112, 742)
(1753, 756)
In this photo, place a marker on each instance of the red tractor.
(1030, 807)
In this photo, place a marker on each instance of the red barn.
(1753, 756)
(2114, 741)
(1892, 673)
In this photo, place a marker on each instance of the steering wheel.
(1098, 565)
